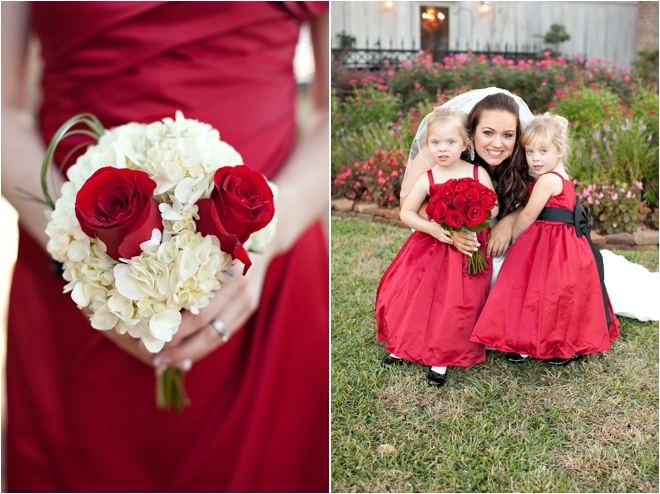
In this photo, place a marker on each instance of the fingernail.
(186, 365)
(162, 360)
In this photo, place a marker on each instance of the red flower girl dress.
(427, 304)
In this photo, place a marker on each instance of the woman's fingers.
(223, 297)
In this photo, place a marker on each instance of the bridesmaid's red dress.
(547, 301)
(427, 304)
(82, 415)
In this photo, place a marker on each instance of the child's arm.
(546, 186)
(409, 211)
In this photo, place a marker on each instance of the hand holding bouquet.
(463, 205)
(150, 223)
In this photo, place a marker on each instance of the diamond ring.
(220, 327)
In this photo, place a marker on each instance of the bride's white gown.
(632, 288)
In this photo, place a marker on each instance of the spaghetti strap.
(558, 175)
(430, 172)
(475, 172)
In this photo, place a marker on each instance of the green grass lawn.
(591, 426)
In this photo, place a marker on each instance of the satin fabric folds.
(82, 414)
(547, 301)
(427, 304)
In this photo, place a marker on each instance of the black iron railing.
(380, 58)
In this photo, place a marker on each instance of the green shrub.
(614, 208)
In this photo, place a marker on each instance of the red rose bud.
(476, 215)
(448, 194)
(241, 204)
(472, 194)
(460, 202)
(439, 212)
(486, 201)
(454, 219)
(116, 205)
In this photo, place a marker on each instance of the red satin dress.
(547, 301)
(82, 413)
(427, 304)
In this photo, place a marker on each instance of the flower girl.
(549, 301)
(427, 303)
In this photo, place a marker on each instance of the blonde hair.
(443, 115)
(549, 129)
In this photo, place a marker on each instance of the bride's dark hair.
(511, 177)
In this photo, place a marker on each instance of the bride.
(496, 118)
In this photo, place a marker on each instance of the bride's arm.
(303, 185)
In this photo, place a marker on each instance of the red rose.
(448, 194)
(455, 219)
(241, 204)
(486, 201)
(490, 193)
(472, 194)
(460, 202)
(476, 215)
(460, 187)
(439, 212)
(116, 205)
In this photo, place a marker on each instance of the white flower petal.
(163, 325)
(104, 319)
(126, 284)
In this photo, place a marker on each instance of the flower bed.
(612, 111)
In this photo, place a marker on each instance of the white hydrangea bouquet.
(149, 224)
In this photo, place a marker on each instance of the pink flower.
(405, 64)
(417, 85)
(367, 102)
(626, 79)
(651, 112)
(352, 81)
(390, 73)
(597, 202)
(605, 106)
(382, 88)
(632, 88)
(614, 225)
(608, 75)
(628, 195)
(615, 196)
(547, 53)
(551, 104)
(544, 83)
(435, 71)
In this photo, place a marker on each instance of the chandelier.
(432, 19)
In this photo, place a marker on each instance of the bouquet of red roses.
(463, 205)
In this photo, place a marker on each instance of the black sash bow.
(581, 220)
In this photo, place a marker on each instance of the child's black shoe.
(516, 358)
(436, 379)
(561, 361)
(389, 360)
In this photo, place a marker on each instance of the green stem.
(64, 131)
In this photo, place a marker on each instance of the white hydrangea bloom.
(178, 268)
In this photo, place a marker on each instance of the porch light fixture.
(432, 18)
(388, 5)
(484, 8)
